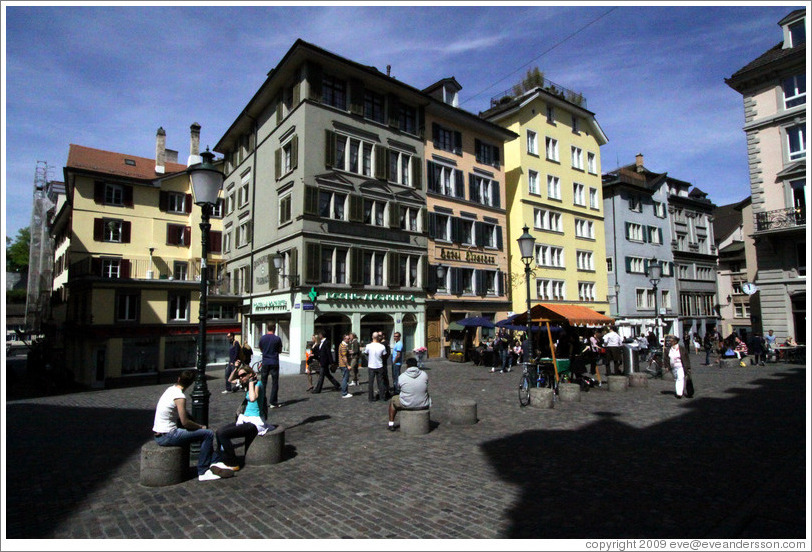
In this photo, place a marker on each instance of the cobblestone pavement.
(728, 463)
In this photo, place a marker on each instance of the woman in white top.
(676, 359)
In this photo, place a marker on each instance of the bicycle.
(535, 375)
(654, 367)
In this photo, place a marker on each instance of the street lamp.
(527, 245)
(279, 266)
(654, 271)
(206, 183)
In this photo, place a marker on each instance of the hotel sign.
(467, 256)
(264, 305)
(382, 297)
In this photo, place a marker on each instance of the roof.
(726, 218)
(575, 315)
(119, 164)
(775, 56)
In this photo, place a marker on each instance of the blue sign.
(308, 306)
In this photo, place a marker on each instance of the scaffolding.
(40, 253)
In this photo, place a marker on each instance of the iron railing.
(781, 218)
(548, 86)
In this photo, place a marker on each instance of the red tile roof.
(574, 314)
(119, 164)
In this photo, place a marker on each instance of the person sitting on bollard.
(250, 421)
(414, 393)
(170, 410)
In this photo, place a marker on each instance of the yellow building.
(128, 247)
(553, 181)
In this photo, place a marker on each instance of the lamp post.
(654, 271)
(206, 184)
(441, 271)
(527, 244)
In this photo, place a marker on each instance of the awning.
(575, 315)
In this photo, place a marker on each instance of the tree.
(17, 251)
(532, 79)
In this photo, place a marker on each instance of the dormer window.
(451, 96)
(797, 33)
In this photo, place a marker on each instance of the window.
(635, 265)
(666, 299)
(742, 310)
(575, 124)
(684, 271)
(287, 158)
(407, 119)
(218, 311)
(553, 187)
(447, 139)
(486, 154)
(484, 191)
(443, 228)
(549, 256)
(577, 158)
(634, 232)
(284, 209)
(681, 242)
(231, 202)
(243, 233)
(593, 198)
(585, 260)
(332, 205)
(645, 298)
(655, 235)
(547, 220)
(796, 140)
(490, 282)
(533, 182)
(373, 106)
(374, 212)
(333, 265)
(178, 307)
(550, 114)
(584, 229)
(659, 209)
(227, 242)
(466, 276)
(466, 232)
(243, 192)
(400, 168)
(635, 204)
(586, 291)
(445, 180)
(488, 232)
(591, 163)
(334, 92)
(409, 219)
(794, 91)
(113, 194)
(532, 143)
(373, 268)
(113, 230)
(177, 234)
(610, 264)
(797, 33)
(180, 270)
(551, 148)
(111, 268)
(127, 307)
(550, 290)
(356, 156)
(176, 202)
(578, 194)
(408, 270)
(217, 210)
(705, 273)
(241, 280)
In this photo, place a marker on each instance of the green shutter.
(277, 159)
(273, 275)
(311, 200)
(394, 111)
(417, 172)
(312, 262)
(394, 214)
(421, 122)
(357, 97)
(381, 162)
(294, 153)
(314, 81)
(329, 148)
(356, 208)
(356, 265)
(278, 108)
(294, 264)
(628, 264)
(393, 276)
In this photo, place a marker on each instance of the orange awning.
(575, 315)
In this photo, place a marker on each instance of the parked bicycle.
(654, 365)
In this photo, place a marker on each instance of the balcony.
(780, 219)
(548, 86)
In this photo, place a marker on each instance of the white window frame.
(584, 228)
(665, 295)
(403, 174)
(410, 271)
(243, 194)
(585, 260)
(336, 200)
(176, 302)
(551, 148)
(591, 163)
(443, 222)
(111, 268)
(577, 157)
(550, 114)
(796, 96)
(113, 194)
(176, 203)
(637, 265)
(335, 276)
(593, 198)
(659, 209)
(242, 233)
(113, 230)
(378, 211)
(549, 256)
(578, 194)
(486, 190)
(551, 290)
(533, 182)
(468, 224)
(800, 131)
(634, 232)
(553, 187)
(644, 298)
(532, 142)
(635, 204)
(410, 219)
(285, 199)
(544, 219)
(586, 291)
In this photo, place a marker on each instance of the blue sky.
(108, 77)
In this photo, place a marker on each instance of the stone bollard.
(638, 380)
(730, 363)
(267, 449)
(462, 411)
(569, 392)
(541, 397)
(162, 466)
(415, 422)
(618, 383)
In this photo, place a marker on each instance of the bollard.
(541, 397)
(415, 422)
(618, 383)
(569, 392)
(462, 411)
(638, 379)
(267, 449)
(162, 466)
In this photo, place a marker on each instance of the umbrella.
(475, 321)
(509, 323)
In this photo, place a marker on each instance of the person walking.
(344, 364)
(614, 350)
(707, 345)
(756, 347)
(677, 360)
(769, 345)
(397, 361)
(375, 352)
(271, 345)
(595, 351)
(233, 357)
(354, 349)
(325, 356)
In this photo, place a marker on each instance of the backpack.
(245, 354)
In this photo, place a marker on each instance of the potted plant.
(420, 355)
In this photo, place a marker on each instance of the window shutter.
(496, 194)
(297, 93)
(430, 279)
(278, 163)
(329, 148)
(473, 191)
(311, 200)
(431, 177)
(660, 234)
(356, 208)
(124, 268)
(435, 134)
(479, 234)
(312, 262)
(458, 142)
(163, 200)
(215, 241)
(421, 122)
(96, 266)
(432, 228)
(394, 111)
(394, 214)
(499, 243)
(98, 229)
(188, 203)
(314, 81)
(480, 282)
(456, 281)
(496, 161)
(127, 196)
(273, 274)
(381, 162)
(393, 268)
(356, 97)
(459, 184)
(628, 264)
(356, 266)
(294, 152)
(478, 149)
(417, 175)
(170, 235)
(294, 263)
(187, 235)
(424, 220)
(628, 232)
(126, 231)
(455, 230)
(98, 191)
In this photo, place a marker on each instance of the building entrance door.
(433, 337)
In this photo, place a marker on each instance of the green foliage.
(532, 79)
(17, 251)
(16, 296)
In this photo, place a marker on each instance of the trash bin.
(631, 358)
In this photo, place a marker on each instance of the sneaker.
(208, 476)
(493, 370)
(501, 371)
(346, 396)
(220, 472)
(224, 391)
(509, 370)
(274, 405)
(391, 428)
(222, 465)
(351, 383)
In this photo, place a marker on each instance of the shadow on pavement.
(58, 453)
(726, 468)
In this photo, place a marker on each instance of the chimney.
(388, 70)
(194, 146)
(638, 161)
(160, 151)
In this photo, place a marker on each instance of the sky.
(107, 77)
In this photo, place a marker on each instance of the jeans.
(233, 431)
(229, 370)
(504, 359)
(180, 437)
(272, 369)
(345, 379)
(395, 376)
(376, 374)
(707, 356)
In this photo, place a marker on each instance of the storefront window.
(409, 331)
(139, 355)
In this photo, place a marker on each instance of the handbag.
(241, 409)
(689, 386)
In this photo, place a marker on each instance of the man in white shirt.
(614, 344)
(375, 352)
